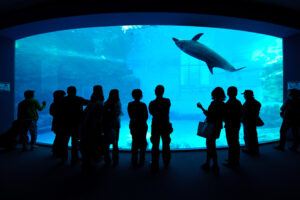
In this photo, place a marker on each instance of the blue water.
(130, 57)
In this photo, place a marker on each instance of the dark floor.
(37, 175)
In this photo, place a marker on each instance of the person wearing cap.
(28, 116)
(250, 115)
(290, 113)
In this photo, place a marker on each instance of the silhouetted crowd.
(233, 113)
(94, 129)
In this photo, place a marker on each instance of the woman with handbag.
(215, 116)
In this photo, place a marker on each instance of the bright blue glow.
(130, 57)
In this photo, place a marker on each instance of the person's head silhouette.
(114, 95)
(159, 91)
(248, 94)
(232, 92)
(137, 94)
(29, 94)
(58, 94)
(97, 93)
(292, 93)
(71, 91)
(218, 94)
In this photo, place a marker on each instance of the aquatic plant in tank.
(130, 57)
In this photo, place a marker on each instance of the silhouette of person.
(290, 112)
(250, 115)
(138, 114)
(28, 116)
(215, 115)
(72, 115)
(160, 128)
(10, 139)
(233, 117)
(111, 122)
(57, 126)
(92, 128)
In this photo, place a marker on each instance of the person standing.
(250, 117)
(91, 143)
(214, 115)
(160, 128)
(138, 115)
(56, 112)
(28, 117)
(290, 112)
(72, 116)
(232, 118)
(111, 125)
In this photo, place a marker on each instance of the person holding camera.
(215, 116)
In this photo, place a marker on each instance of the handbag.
(207, 130)
(259, 122)
(170, 128)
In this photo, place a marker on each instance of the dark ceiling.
(280, 12)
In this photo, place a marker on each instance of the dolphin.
(202, 52)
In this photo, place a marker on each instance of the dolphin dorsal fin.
(196, 37)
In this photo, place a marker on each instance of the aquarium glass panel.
(130, 57)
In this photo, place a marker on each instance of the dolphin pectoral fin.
(210, 67)
(196, 37)
(238, 69)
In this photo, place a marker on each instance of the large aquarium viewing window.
(130, 57)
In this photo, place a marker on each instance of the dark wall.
(7, 53)
(291, 60)
(255, 10)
